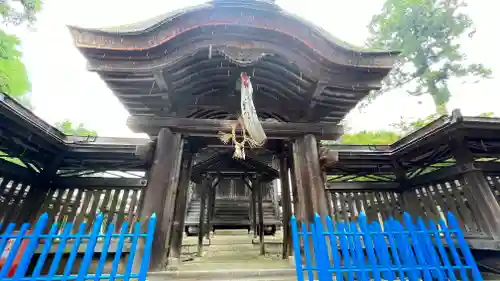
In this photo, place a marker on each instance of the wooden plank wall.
(346, 205)
(16, 184)
(77, 205)
(433, 201)
(13, 203)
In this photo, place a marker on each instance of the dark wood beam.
(159, 196)
(165, 86)
(259, 187)
(181, 205)
(159, 79)
(231, 103)
(286, 204)
(211, 127)
(362, 185)
(205, 191)
(314, 92)
(104, 183)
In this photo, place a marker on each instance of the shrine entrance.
(186, 79)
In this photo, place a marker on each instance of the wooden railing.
(16, 185)
(452, 195)
(377, 205)
(430, 195)
(81, 201)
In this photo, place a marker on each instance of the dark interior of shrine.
(178, 78)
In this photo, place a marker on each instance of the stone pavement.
(230, 255)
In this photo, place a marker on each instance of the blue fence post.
(74, 251)
(296, 249)
(31, 247)
(334, 248)
(430, 250)
(307, 250)
(60, 250)
(417, 246)
(147, 248)
(45, 252)
(118, 253)
(442, 251)
(321, 250)
(104, 253)
(393, 247)
(464, 247)
(13, 251)
(413, 251)
(131, 255)
(453, 250)
(369, 245)
(31, 241)
(89, 252)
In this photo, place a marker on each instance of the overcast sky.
(64, 89)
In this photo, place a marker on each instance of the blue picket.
(296, 248)
(359, 250)
(24, 243)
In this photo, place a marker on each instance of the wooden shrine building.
(177, 75)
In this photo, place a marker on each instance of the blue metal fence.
(18, 260)
(389, 251)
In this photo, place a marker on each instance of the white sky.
(63, 88)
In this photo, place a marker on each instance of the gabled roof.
(186, 63)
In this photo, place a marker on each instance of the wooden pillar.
(259, 187)
(309, 179)
(181, 205)
(201, 224)
(254, 211)
(160, 194)
(286, 204)
(293, 185)
(211, 207)
(409, 202)
(479, 186)
(38, 192)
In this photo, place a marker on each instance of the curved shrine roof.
(187, 63)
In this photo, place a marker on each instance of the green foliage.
(14, 79)
(68, 128)
(426, 32)
(401, 128)
(370, 137)
(5, 157)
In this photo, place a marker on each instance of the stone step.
(227, 272)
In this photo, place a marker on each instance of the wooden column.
(259, 187)
(160, 194)
(410, 202)
(201, 224)
(211, 207)
(293, 185)
(181, 205)
(479, 186)
(286, 204)
(254, 210)
(38, 191)
(309, 179)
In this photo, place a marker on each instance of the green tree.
(370, 137)
(399, 129)
(68, 128)
(14, 79)
(427, 33)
